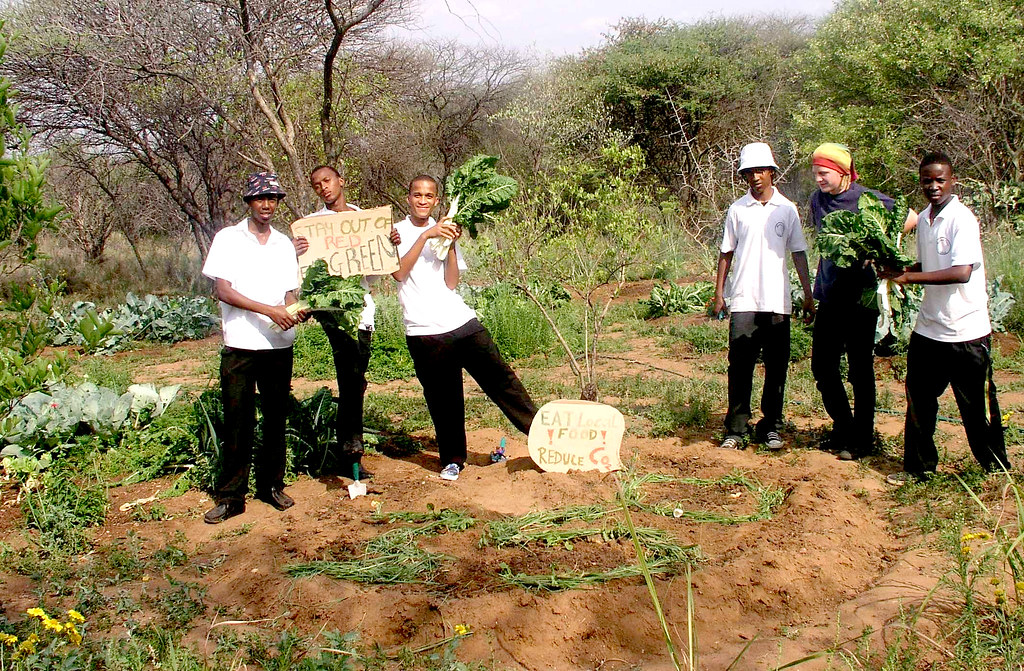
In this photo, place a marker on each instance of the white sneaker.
(450, 472)
(773, 441)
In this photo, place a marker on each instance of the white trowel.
(356, 488)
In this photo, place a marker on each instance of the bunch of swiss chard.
(477, 193)
(873, 234)
(335, 301)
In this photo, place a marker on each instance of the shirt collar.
(748, 199)
(274, 238)
(951, 206)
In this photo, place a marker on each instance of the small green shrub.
(676, 299)
(514, 322)
(181, 602)
(312, 353)
(60, 510)
(389, 355)
(705, 337)
(799, 341)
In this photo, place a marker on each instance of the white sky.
(558, 27)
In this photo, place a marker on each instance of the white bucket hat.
(757, 155)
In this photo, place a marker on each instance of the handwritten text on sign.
(352, 243)
(576, 436)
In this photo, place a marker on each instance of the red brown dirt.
(824, 566)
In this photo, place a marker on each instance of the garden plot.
(512, 568)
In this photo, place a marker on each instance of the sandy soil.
(827, 564)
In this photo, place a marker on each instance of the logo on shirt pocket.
(780, 229)
(943, 246)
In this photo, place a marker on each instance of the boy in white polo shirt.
(351, 355)
(760, 228)
(256, 274)
(951, 341)
(443, 333)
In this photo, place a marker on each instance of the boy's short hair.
(935, 158)
(424, 178)
(323, 167)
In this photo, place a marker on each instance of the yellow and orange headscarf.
(836, 157)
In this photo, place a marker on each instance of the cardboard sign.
(576, 436)
(352, 243)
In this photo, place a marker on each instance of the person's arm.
(911, 222)
(914, 275)
(800, 263)
(724, 263)
(445, 228)
(301, 245)
(451, 263)
(227, 293)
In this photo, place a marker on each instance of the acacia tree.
(893, 79)
(145, 82)
(690, 95)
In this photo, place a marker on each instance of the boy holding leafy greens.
(843, 322)
(760, 228)
(255, 272)
(443, 333)
(951, 343)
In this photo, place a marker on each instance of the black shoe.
(223, 511)
(277, 498)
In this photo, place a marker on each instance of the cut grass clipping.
(767, 499)
(393, 557)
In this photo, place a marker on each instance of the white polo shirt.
(759, 237)
(369, 307)
(263, 273)
(429, 307)
(952, 312)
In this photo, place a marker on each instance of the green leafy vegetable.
(873, 234)
(477, 193)
(675, 299)
(481, 191)
(333, 300)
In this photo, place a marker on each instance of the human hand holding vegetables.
(279, 314)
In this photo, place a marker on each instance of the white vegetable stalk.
(441, 245)
(293, 310)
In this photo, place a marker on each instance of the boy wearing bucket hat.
(255, 273)
(760, 228)
(843, 323)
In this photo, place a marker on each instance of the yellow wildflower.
(1000, 592)
(75, 616)
(966, 549)
(461, 630)
(37, 612)
(27, 647)
(1019, 586)
(994, 580)
(53, 625)
(72, 633)
(8, 639)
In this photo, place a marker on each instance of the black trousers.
(439, 361)
(752, 334)
(849, 328)
(242, 372)
(966, 366)
(351, 357)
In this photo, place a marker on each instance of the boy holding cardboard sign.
(351, 355)
(443, 333)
